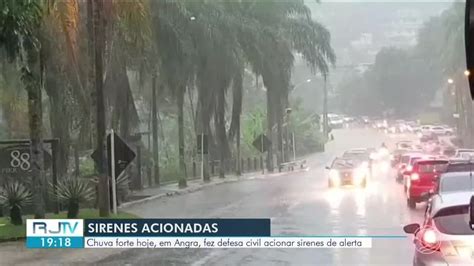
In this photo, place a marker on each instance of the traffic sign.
(262, 143)
(202, 144)
(123, 154)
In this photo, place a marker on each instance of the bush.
(15, 196)
(122, 183)
(73, 192)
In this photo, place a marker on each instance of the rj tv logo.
(54, 227)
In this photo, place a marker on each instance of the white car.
(449, 130)
(464, 153)
(446, 236)
(425, 130)
(439, 130)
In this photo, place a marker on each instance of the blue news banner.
(172, 233)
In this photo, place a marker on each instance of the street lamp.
(301, 83)
(287, 133)
(456, 99)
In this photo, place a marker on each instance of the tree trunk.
(35, 115)
(182, 164)
(239, 166)
(99, 44)
(219, 123)
(154, 121)
(72, 210)
(278, 107)
(15, 216)
(270, 122)
(91, 71)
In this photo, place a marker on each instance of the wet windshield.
(433, 167)
(221, 126)
(454, 221)
(343, 164)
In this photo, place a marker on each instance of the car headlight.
(383, 152)
(334, 177)
(360, 174)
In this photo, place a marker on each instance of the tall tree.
(20, 24)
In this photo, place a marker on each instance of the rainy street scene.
(348, 121)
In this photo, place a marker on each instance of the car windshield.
(405, 159)
(413, 160)
(453, 221)
(450, 183)
(432, 167)
(466, 154)
(355, 155)
(460, 167)
(343, 164)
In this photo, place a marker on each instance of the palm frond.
(14, 194)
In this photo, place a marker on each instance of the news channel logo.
(54, 228)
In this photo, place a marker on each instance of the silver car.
(445, 237)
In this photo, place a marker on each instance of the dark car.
(345, 171)
(429, 138)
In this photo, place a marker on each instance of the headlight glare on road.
(359, 175)
(334, 175)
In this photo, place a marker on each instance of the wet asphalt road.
(298, 203)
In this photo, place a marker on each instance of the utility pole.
(325, 107)
(287, 118)
(154, 122)
(239, 166)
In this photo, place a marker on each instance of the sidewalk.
(15, 253)
(149, 194)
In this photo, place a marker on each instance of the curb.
(13, 239)
(190, 190)
(173, 193)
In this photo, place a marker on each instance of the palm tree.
(19, 37)
(269, 35)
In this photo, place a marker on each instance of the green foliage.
(73, 192)
(253, 124)
(19, 23)
(9, 232)
(14, 196)
(86, 166)
(306, 128)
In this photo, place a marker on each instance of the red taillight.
(429, 239)
(414, 177)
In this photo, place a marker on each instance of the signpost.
(202, 148)
(262, 143)
(120, 156)
(15, 160)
